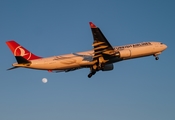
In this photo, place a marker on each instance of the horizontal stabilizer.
(13, 68)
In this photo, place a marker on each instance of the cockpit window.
(161, 43)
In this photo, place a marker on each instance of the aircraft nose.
(165, 46)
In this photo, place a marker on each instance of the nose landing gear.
(156, 58)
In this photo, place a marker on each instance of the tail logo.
(19, 51)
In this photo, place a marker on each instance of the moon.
(44, 80)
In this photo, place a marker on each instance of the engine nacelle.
(108, 67)
(124, 53)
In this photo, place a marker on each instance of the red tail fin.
(18, 50)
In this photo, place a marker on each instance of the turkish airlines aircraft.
(101, 57)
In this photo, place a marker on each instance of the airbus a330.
(101, 58)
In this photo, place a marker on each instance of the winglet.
(92, 25)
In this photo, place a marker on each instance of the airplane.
(101, 58)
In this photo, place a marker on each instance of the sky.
(138, 89)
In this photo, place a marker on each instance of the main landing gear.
(94, 69)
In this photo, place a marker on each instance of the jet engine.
(107, 67)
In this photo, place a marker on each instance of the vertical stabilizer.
(19, 50)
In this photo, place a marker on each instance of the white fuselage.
(85, 59)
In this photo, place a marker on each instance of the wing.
(102, 48)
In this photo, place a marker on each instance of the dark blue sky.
(136, 89)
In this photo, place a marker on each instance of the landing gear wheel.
(90, 74)
(156, 58)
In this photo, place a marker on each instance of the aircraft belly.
(55, 64)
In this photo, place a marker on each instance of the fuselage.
(85, 59)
